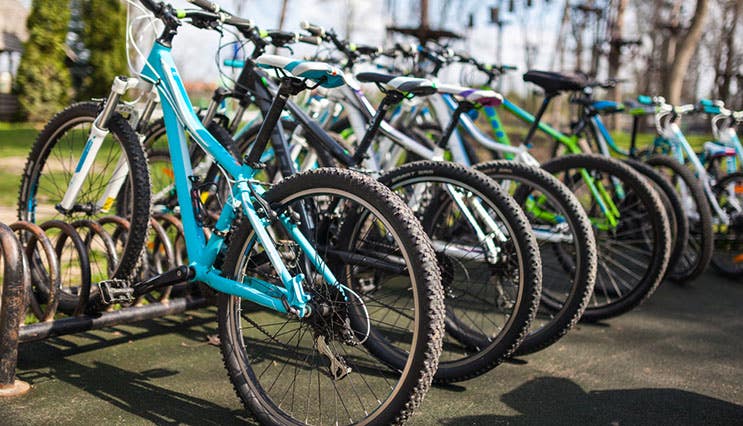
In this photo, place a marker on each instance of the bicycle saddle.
(329, 75)
(415, 86)
(554, 81)
(482, 97)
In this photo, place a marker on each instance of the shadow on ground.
(133, 392)
(550, 400)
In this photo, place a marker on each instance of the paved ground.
(677, 360)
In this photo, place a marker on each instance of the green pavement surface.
(676, 360)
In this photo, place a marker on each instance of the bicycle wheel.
(698, 253)
(633, 253)
(50, 165)
(280, 365)
(672, 205)
(727, 257)
(489, 260)
(566, 244)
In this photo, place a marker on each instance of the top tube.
(160, 70)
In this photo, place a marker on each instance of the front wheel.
(566, 243)
(489, 261)
(324, 369)
(46, 177)
(728, 254)
(696, 257)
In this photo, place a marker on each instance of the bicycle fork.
(98, 133)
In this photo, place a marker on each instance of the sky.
(368, 24)
(194, 49)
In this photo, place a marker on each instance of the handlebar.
(315, 30)
(207, 5)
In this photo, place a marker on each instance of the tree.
(684, 51)
(43, 82)
(104, 37)
(725, 70)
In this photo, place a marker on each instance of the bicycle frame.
(727, 136)
(599, 193)
(160, 71)
(360, 112)
(672, 138)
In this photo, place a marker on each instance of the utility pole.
(282, 16)
(424, 14)
(495, 19)
(559, 58)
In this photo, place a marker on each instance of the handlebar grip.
(310, 40)
(234, 63)
(315, 30)
(238, 22)
(206, 5)
(509, 67)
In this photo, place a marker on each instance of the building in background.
(13, 33)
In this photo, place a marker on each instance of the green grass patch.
(9, 183)
(16, 140)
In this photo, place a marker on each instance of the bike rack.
(30, 257)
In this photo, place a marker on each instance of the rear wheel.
(280, 366)
(633, 253)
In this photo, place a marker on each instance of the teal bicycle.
(300, 344)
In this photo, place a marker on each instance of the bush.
(43, 81)
(105, 37)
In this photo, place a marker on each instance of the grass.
(16, 140)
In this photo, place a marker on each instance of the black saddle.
(553, 82)
(415, 86)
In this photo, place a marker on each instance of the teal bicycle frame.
(161, 72)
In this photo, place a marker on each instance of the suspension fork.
(98, 133)
(479, 211)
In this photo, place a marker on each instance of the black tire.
(644, 274)
(427, 297)
(559, 312)
(137, 212)
(677, 217)
(698, 252)
(726, 258)
(469, 350)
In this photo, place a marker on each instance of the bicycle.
(445, 196)
(287, 260)
(601, 184)
(567, 287)
(697, 180)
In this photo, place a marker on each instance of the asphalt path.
(678, 359)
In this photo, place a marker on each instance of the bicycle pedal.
(116, 291)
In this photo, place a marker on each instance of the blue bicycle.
(321, 275)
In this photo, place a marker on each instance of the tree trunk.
(615, 54)
(684, 51)
(424, 14)
(727, 76)
(282, 15)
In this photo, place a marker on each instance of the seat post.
(545, 103)
(392, 98)
(463, 107)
